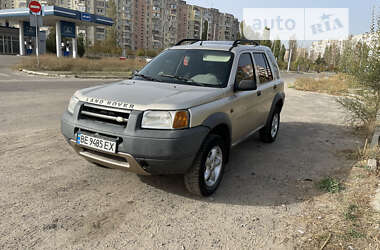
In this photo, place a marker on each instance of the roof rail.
(239, 41)
(188, 40)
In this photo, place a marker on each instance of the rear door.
(266, 84)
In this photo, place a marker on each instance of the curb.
(30, 72)
(73, 75)
(100, 77)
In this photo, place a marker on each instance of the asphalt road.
(52, 198)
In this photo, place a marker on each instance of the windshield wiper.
(181, 78)
(184, 79)
(149, 78)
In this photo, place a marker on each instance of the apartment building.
(149, 24)
(318, 48)
(153, 24)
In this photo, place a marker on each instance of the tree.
(81, 46)
(112, 32)
(241, 33)
(205, 31)
(364, 104)
(282, 53)
(51, 42)
(373, 18)
(293, 48)
(276, 48)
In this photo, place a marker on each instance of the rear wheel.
(207, 171)
(270, 131)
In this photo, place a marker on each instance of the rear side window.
(273, 61)
(262, 66)
(245, 68)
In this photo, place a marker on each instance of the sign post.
(35, 9)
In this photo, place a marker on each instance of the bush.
(334, 85)
(363, 104)
(52, 63)
(104, 48)
(330, 185)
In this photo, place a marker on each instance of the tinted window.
(276, 71)
(245, 68)
(262, 66)
(193, 67)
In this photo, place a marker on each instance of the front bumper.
(121, 160)
(143, 151)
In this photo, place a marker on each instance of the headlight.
(73, 102)
(165, 119)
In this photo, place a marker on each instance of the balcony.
(157, 28)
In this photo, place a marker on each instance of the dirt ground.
(52, 198)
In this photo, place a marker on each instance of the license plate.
(96, 143)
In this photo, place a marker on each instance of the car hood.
(145, 95)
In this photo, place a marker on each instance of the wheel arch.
(220, 124)
(278, 102)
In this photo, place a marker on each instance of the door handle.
(259, 93)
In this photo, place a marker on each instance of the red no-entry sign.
(34, 6)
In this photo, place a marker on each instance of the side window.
(245, 68)
(263, 69)
(273, 61)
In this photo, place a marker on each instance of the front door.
(245, 104)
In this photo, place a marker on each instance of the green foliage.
(241, 33)
(267, 43)
(362, 62)
(51, 42)
(205, 30)
(281, 56)
(330, 185)
(351, 213)
(112, 40)
(81, 46)
(101, 48)
(355, 234)
(140, 52)
(149, 53)
(293, 48)
(277, 48)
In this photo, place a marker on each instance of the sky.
(359, 10)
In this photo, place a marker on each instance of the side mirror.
(245, 85)
(134, 73)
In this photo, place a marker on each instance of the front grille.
(104, 114)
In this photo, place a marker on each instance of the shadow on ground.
(284, 172)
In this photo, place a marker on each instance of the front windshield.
(193, 67)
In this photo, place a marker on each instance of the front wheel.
(205, 175)
(270, 131)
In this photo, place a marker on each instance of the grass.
(79, 65)
(330, 185)
(333, 85)
(353, 233)
(341, 218)
(351, 213)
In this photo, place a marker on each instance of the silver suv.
(182, 113)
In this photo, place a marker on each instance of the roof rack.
(239, 41)
(188, 40)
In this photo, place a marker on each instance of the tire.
(267, 134)
(195, 178)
